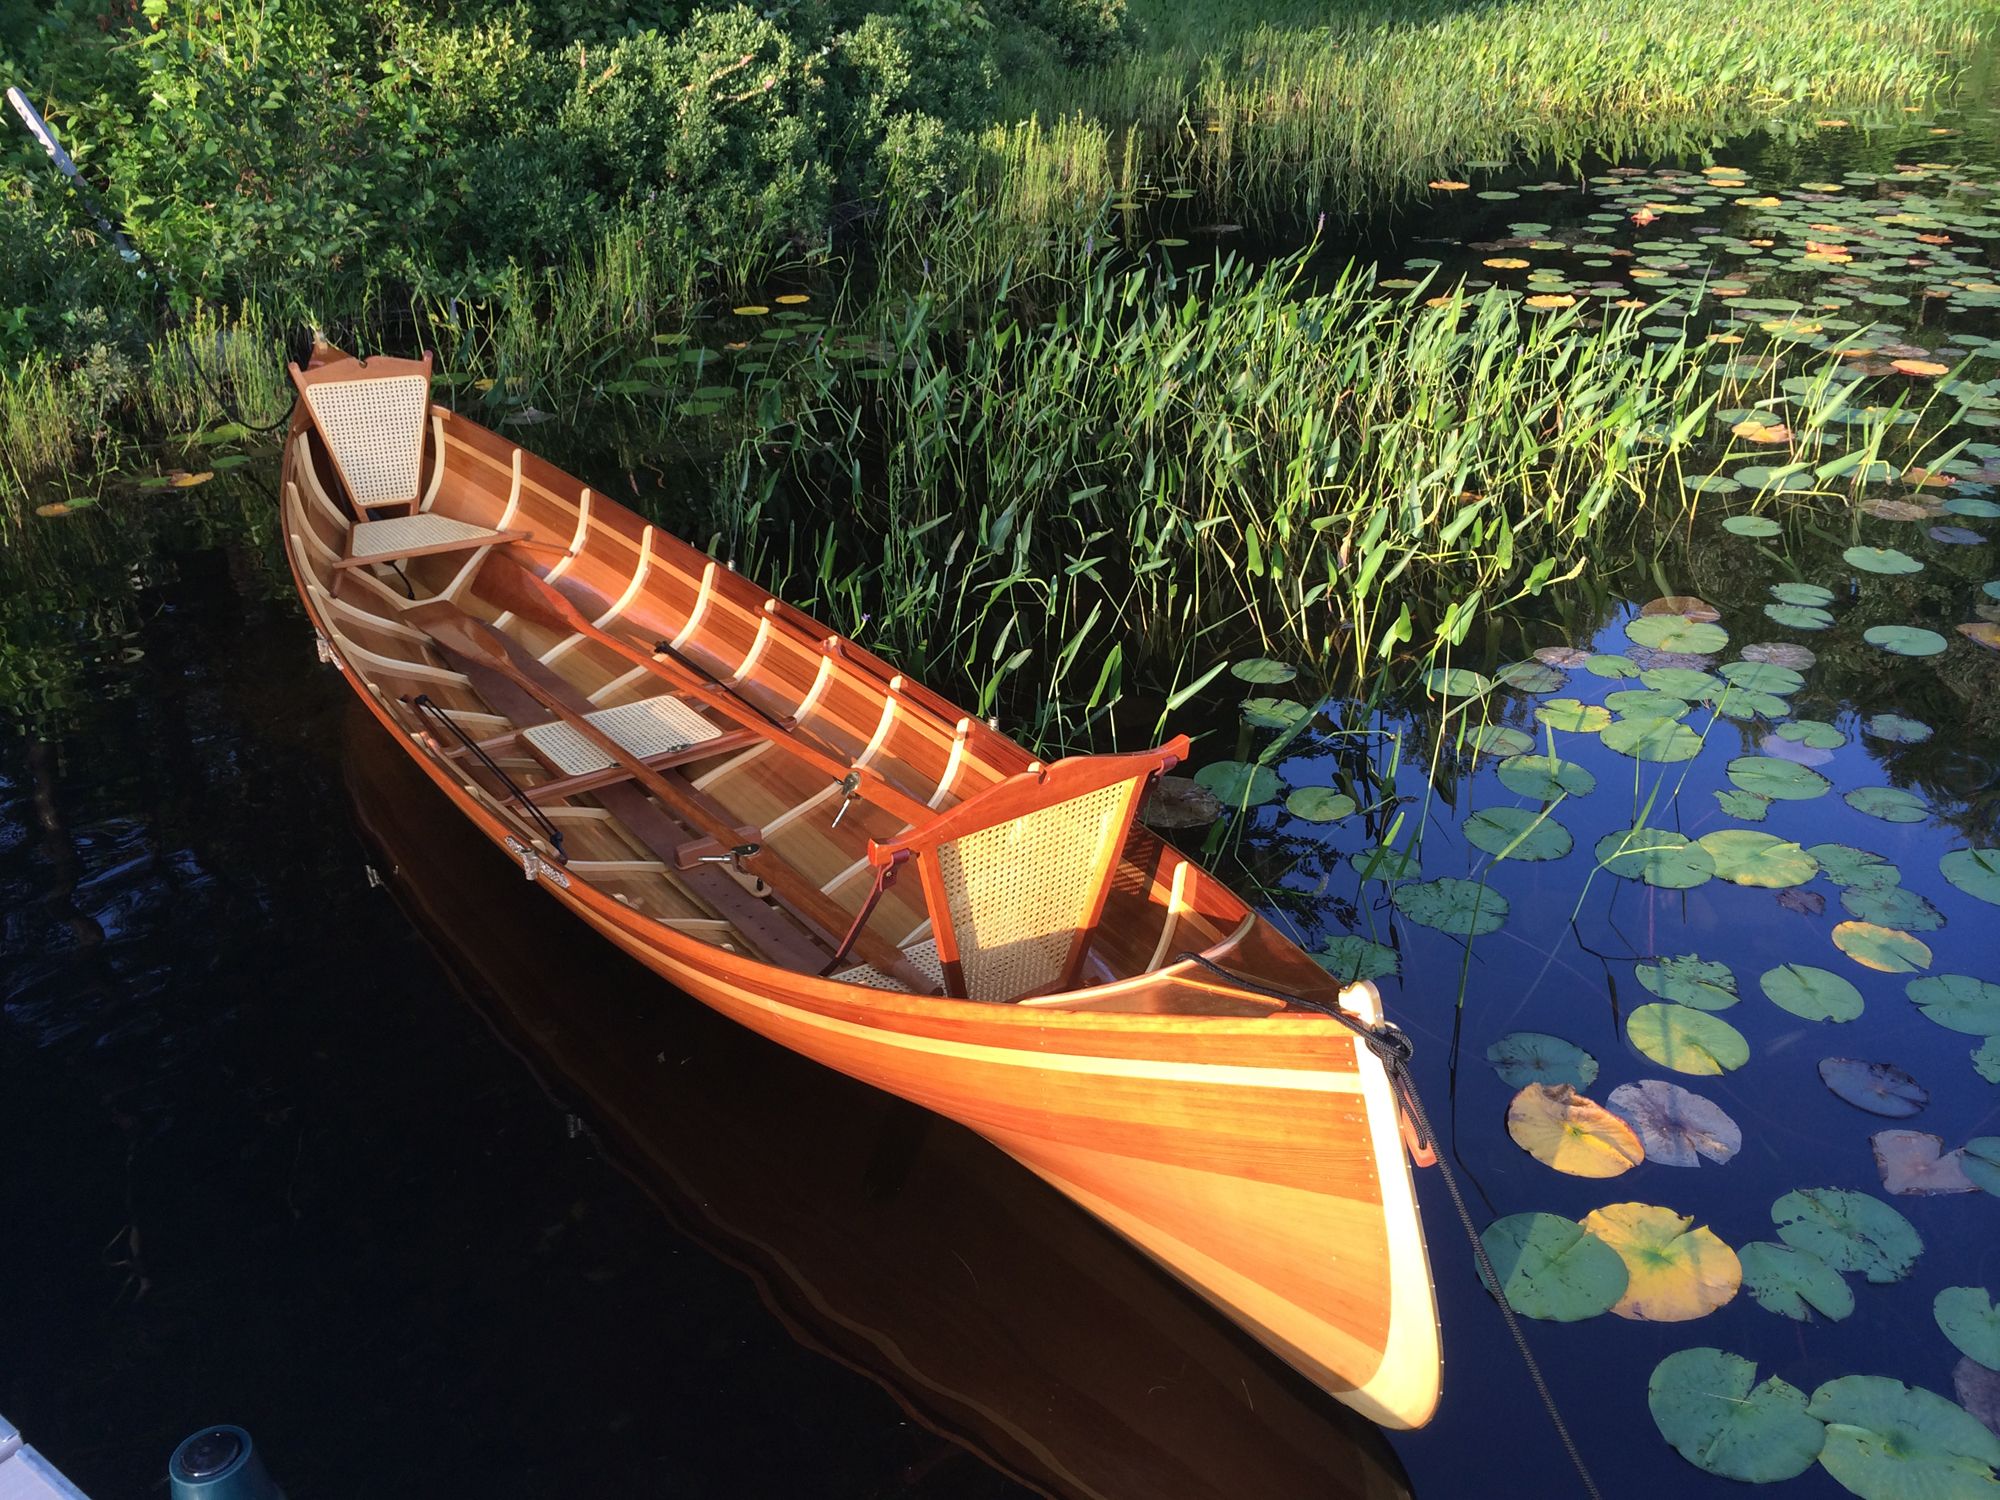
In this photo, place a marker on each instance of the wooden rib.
(437, 465)
(798, 810)
(810, 702)
(315, 490)
(757, 645)
(618, 867)
(882, 726)
(464, 575)
(374, 621)
(1176, 904)
(703, 781)
(513, 496)
(572, 810)
(953, 763)
(617, 683)
(701, 599)
(570, 643)
(420, 671)
(576, 541)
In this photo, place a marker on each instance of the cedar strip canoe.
(778, 822)
(995, 1312)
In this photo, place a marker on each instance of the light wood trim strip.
(617, 683)
(437, 465)
(701, 600)
(1177, 902)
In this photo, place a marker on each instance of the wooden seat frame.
(1038, 789)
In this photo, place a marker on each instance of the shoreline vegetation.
(983, 425)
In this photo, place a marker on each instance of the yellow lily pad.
(1580, 1137)
(1677, 1272)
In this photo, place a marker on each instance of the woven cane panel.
(376, 430)
(921, 956)
(1019, 891)
(400, 534)
(652, 726)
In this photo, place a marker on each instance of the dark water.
(438, 1196)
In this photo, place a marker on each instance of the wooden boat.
(781, 824)
(993, 1311)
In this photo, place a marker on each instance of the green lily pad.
(1525, 1057)
(1719, 484)
(1674, 633)
(1974, 871)
(1686, 1040)
(1516, 833)
(1646, 703)
(1845, 865)
(1881, 560)
(1553, 1268)
(1794, 1283)
(1889, 1441)
(1686, 683)
(1762, 677)
(1751, 526)
(1239, 784)
(1986, 1063)
(1904, 640)
(1350, 957)
(1892, 906)
(1744, 856)
(1799, 616)
(1811, 595)
(1457, 682)
(1545, 778)
(1896, 729)
(1710, 1407)
(1462, 907)
(1274, 713)
(1971, 1321)
(1958, 1002)
(1747, 806)
(1979, 1159)
(1780, 780)
(1814, 994)
(1655, 740)
(1849, 1231)
(1883, 949)
(1658, 856)
(1262, 671)
(1500, 740)
(1814, 734)
(1572, 716)
(1613, 667)
(1319, 804)
(1530, 677)
(1385, 864)
(1691, 980)
(1889, 803)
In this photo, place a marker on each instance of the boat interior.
(649, 724)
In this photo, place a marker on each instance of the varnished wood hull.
(1255, 1156)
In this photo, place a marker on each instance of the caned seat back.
(1016, 876)
(370, 414)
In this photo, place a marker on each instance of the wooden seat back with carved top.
(1015, 877)
(370, 414)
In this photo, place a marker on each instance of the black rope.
(424, 705)
(1390, 1044)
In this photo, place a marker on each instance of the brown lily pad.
(1914, 1164)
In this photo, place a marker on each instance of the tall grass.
(1341, 104)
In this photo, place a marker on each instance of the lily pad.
(1686, 683)
(1812, 595)
(1263, 671)
(1744, 856)
(1545, 778)
(1762, 677)
(1385, 864)
(1974, 871)
(1882, 948)
(1656, 740)
(1904, 640)
(1845, 865)
(1690, 980)
(1877, 1087)
(1613, 667)
(1849, 1231)
(1751, 526)
(1686, 1040)
(1914, 1164)
(1457, 682)
(1676, 1127)
(1675, 633)
(1319, 804)
(1986, 1063)
(1978, 1391)
(1799, 616)
(1889, 803)
(1552, 1268)
(1779, 780)
(1794, 1283)
(1462, 907)
(1888, 560)
(1676, 1272)
(1979, 1159)
(1525, 1057)
(1971, 1321)
(1239, 784)
(1500, 740)
(1896, 729)
(1274, 713)
(1889, 1441)
(1812, 733)
(1517, 833)
(1892, 906)
(1572, 716)
(1811, 993)
(1658, 856)
(1746, 806)
(1709, 1405)
(1958, 1002)
(1350, 957)
(1646, 703)
(1577, 1136)
(1530, 677)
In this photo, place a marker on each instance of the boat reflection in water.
(995, 1311)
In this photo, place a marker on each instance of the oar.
(516, 588)
(460, 633)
